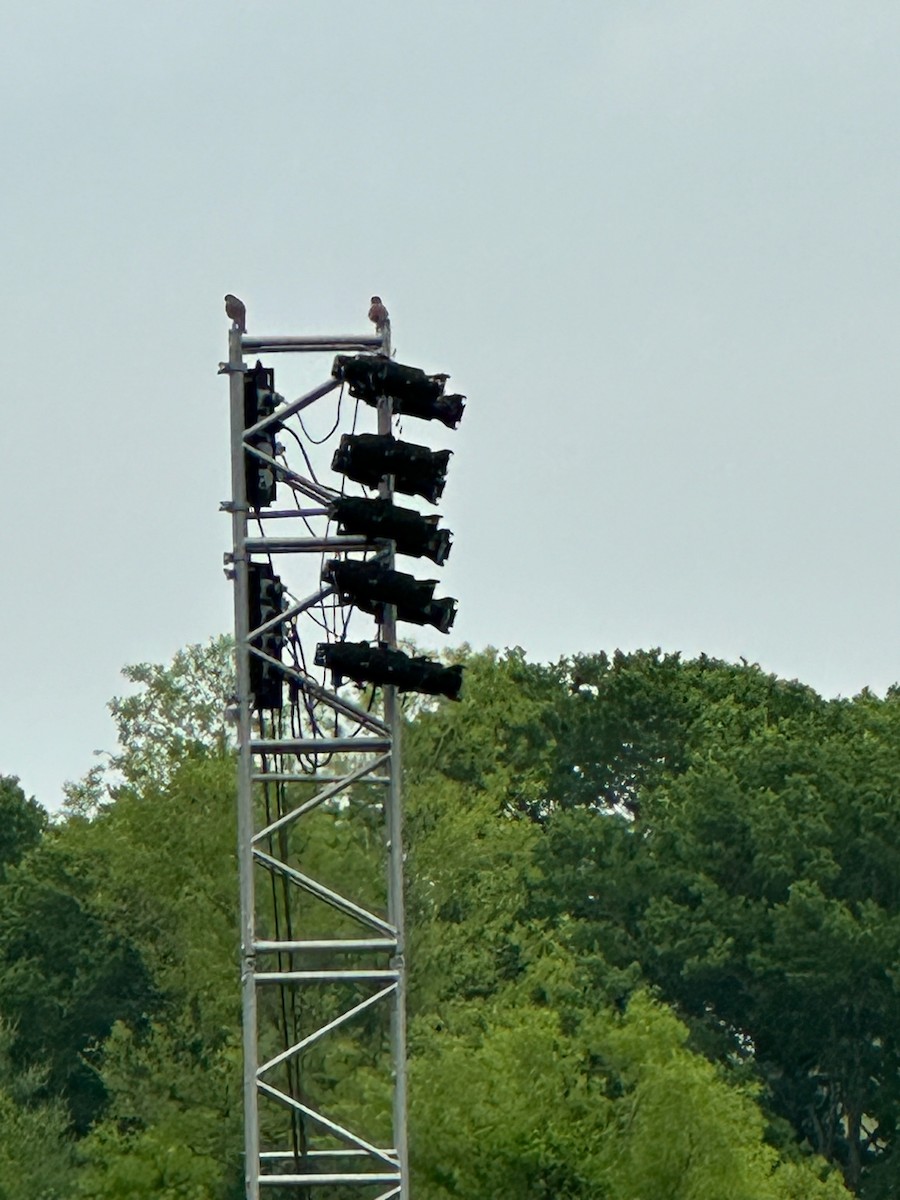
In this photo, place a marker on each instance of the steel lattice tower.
(322, 967)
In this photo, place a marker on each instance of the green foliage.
(755, 884)
(22, 823)
(178, 713)
(36, 1155)
(530, 1084)
(66, 973)
(587, 842)
(166, 856)
(563, 1101)
(628, 722)
(180, 710)
(173, 1122)
(500, 739)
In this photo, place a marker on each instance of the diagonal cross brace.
(313, 1037)
(339, 1131)
(321, 892)
(327, 793)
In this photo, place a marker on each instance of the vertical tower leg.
(394, 815)
(245, 769)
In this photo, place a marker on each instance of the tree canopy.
(653, 920)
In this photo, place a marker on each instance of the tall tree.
(22, 823)
(746, 858)
(36, 1151)
(557, 822)
(67, 973)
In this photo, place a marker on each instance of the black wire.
(309, 466)
(331, 432)
(276, 914)
(308, 702)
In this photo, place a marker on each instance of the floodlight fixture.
(364, 663)
(373, 584)
(368, 458)
(412, 533)
(413, 393)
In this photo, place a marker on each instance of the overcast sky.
(656, 244)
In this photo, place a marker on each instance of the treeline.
(654, 911)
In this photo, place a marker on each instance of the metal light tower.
(323, 968)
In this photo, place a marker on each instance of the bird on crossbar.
(236, 312)
(378, 314)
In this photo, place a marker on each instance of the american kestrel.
(235, 309)
(378, 314)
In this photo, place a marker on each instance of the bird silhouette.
(378, 314)
(235, 309)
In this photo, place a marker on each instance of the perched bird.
(235, 309)
(378, 314)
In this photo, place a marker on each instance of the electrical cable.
(332, 431)
(306, 459)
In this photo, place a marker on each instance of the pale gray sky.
(655, 243)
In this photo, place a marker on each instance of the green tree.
(574, 832)
(172, 1129)
(747, 862)
(179, 711)
(542, 1095)
(126, 910)
(66, 975)
(521, 1085)
(22, 823)
(36, 1153)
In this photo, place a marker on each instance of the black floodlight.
(266, 593)
(369, 457)
(413, 534)
(413, 393)
(371, 585)
(260, 399)
(364, 663)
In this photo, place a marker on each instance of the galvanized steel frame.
(260, 761)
